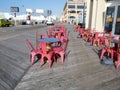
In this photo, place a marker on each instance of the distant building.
(30, 16)
(5, 15)
(72, 10)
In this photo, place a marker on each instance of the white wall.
(100, 15)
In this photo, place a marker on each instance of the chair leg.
(102, 53)
(49, 62)
(55, 57)
(118, 61)
(98, 42)
(62, 57)
(32, 55)
(93, 42)
(112, 54)
(42, 61)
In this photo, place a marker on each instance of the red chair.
(104, 34)
(111, 50)
(118, 59)
(33, 52)
(61, 50)
(62, 36)
(96, 39)
(118, 54)
(50, 33)
(47, 53)
(76, 28)
(65, 36)
(87, 34)
(62, 28)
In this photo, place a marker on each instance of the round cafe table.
(49, 40)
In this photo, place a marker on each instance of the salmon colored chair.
(96, 39)
(118, 59)
(111, 50)
(33, 52)
(61, 50)
(46, 54)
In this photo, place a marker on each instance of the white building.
(5, 15)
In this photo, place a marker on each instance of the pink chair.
(46, 54)
(61, 50)
(118, 53)
(49, 34)
(96, 39)
(33, 52)
(76, 28)
(118, 59)
(111, 50)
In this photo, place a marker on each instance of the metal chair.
(47, 53)
(33, 52)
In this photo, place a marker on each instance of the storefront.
(112, 19)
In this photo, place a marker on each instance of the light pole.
(84, 13)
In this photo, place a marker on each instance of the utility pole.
(84, 14)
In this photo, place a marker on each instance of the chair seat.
(57, 48)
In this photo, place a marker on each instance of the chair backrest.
(108, 40)
(107, 43)
(42, 36)
(96, 35)
(66, 44)
(59, 35)
(80, 30)
(39, 43)
(47, 32)
(30, 46)
(116, 37)
(68, 32)
(45, 47)
(62, 28)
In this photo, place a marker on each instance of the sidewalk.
(81, 71)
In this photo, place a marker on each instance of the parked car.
(23, 23)
(49, 23)
(5, 22)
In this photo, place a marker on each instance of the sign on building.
(14, 9)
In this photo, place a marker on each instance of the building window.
(80, 6)
(117, 26)
(72, 17)
(109, 18)
(71, 6)
(71, 11)
(78, 11)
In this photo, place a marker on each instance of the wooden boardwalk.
(14, 55)
(81, 71)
